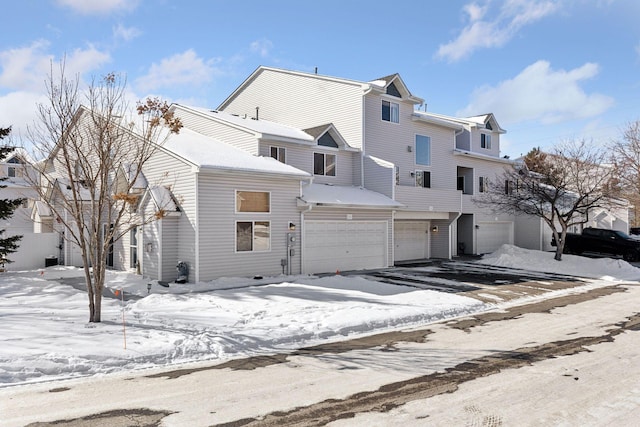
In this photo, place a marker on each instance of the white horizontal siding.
(303, 101)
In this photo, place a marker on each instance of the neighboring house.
(33, 248)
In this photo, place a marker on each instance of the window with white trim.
(390, 111)
(253, 201)
(324, 164)
(253, 236)
(423, 150)
(423, 179)
(133, 247)
(483, 184)
(278, 153)
(485, 141)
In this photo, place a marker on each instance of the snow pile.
(45, 334)
(573, 265)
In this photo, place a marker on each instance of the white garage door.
(411, 239)
(344, 245)
(492, 235)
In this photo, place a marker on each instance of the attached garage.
(492, 235)
(411, 240)
(344, 245)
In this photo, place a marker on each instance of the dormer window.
(327, 140)
(393, 90)
(390, 111)
(488, 126)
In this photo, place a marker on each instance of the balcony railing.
(429, 199)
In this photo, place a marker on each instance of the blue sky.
(548, 70)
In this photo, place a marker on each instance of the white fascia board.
(436, 121)
(459, 152)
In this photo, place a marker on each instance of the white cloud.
(185, 68)
(487, 33)
(125, 33)
(26, 68)
(99, 7)
(540, 93)
(262, 47)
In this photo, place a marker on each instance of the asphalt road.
(343, 383)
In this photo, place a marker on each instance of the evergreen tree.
(8, 245)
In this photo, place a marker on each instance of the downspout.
(160, 245)
(362, 184)
(196, 258)
(451, 243)
(302, 254)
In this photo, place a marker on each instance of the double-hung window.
(483, 184)
(279, 153)
(324, 164)
(253, 235)
(485, 141)
(390, 111)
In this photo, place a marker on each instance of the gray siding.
(151, 258)
(218, 256)
(164, 169)
(392, 142)
(379, 176)
(303, 101)
(301, 157)
(170, 253)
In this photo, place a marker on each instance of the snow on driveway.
(45, 334)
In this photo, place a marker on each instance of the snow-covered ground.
(45, 334)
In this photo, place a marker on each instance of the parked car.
(612, 242)
(634, 230)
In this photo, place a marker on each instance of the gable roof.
(485, 119)
(208, 153)
(317, 131)
(379, 85)
(261, 129)
(396, 80)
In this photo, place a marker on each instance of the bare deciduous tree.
(560, 187)
(95, 148)
(625, 156)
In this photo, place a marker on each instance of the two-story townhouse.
(341, 225)
(432, 165)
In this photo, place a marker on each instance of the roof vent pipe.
(257, 109)
(316, 70)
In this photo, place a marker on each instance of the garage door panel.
(492, 235)
(344, 245)
(411, 239)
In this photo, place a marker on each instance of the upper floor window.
(253, 201)
(390, 111)
(423, 150)
(483, 184)
(14, 171)
(326, 140)
(324, 164)
(279, 153)
(423, 179)
(485, 141)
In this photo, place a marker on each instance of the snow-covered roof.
(263, 128)
(42, 209)
(335, 195)
(163, 199)
(209, 153)
(138, 181)
(460, 152)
